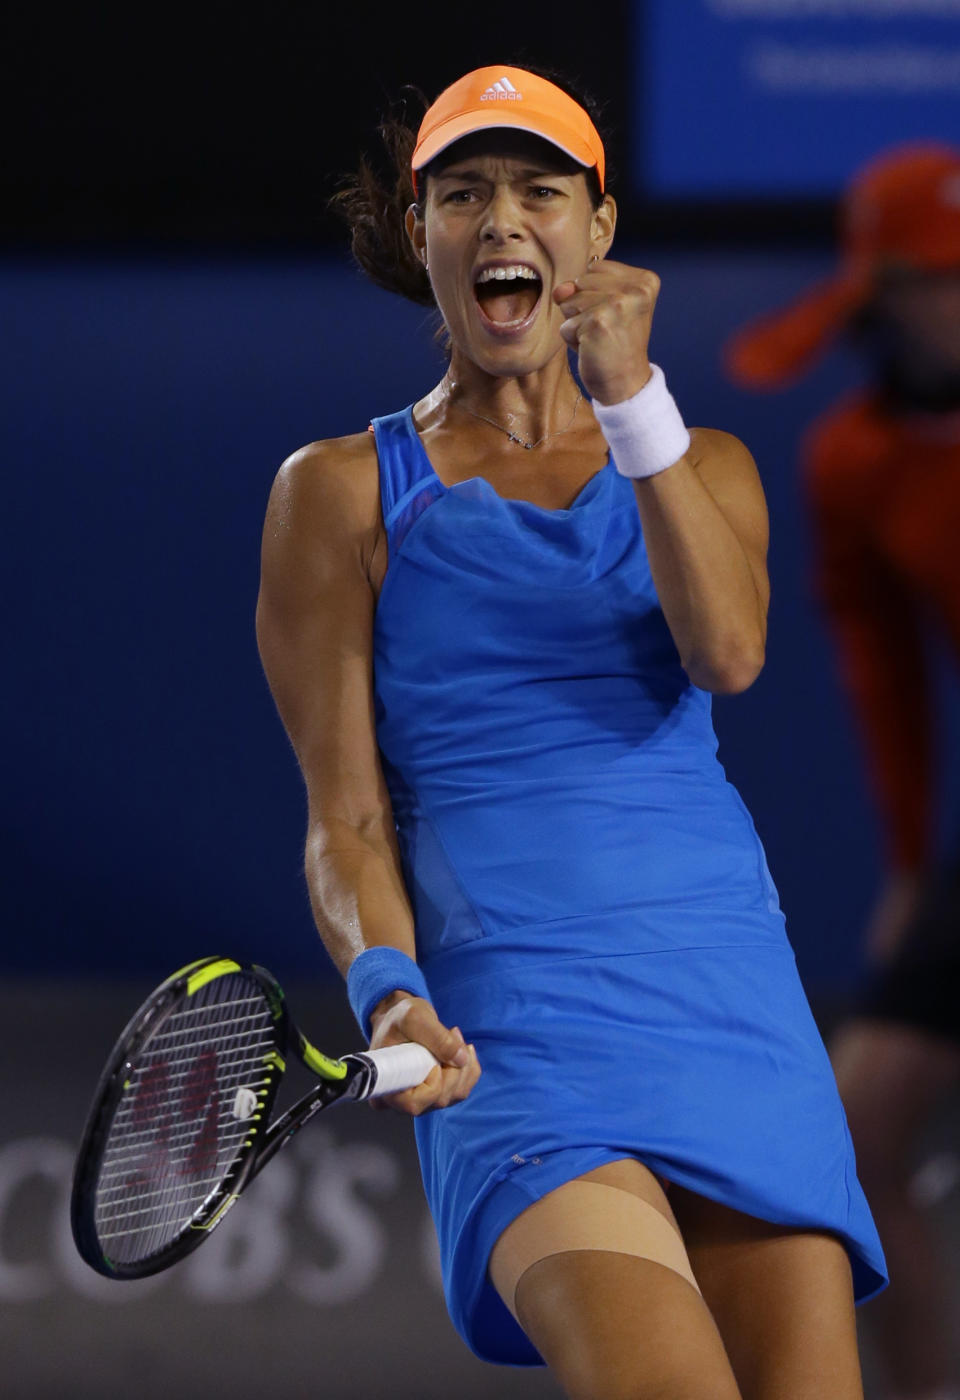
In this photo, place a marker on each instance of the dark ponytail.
(374, 207)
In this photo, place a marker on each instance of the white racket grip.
(399, 1067)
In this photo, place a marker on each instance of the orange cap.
(514, 98)
(903, 207)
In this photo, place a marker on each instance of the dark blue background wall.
(153, 808)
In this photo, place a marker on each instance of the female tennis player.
(492, 626)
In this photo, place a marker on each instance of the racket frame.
(350, 1077)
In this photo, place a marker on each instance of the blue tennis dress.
(593, 906)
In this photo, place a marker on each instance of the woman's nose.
(501, 219)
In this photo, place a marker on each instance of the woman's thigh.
(598, 1278)
(782, 1299)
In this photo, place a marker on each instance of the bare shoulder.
(712, 447)
(726, 468)
(330, 484)
(324, 512)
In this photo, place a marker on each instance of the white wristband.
(645, 433)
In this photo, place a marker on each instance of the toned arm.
(315, 632)
(706, 532)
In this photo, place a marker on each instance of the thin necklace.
(513, 436)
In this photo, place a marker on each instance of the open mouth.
(508, 296)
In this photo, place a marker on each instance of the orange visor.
(512, 98)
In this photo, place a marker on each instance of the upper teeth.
(504, 274)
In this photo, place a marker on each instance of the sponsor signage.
(323, 1281)
(785, 98)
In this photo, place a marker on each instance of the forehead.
(509, 145)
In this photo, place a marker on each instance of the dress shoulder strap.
(408, 483)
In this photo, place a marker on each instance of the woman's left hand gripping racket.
(181, 1120)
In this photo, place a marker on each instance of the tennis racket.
(180, 1124)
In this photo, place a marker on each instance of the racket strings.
(188, 1108)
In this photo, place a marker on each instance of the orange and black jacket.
(885, 498)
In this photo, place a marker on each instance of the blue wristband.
(374, 974)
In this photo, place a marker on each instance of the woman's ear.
(602, 226)
(416, 232)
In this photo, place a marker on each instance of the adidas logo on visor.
(502, 90)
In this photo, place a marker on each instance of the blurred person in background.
(882, 478)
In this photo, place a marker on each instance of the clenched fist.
(608, 312)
